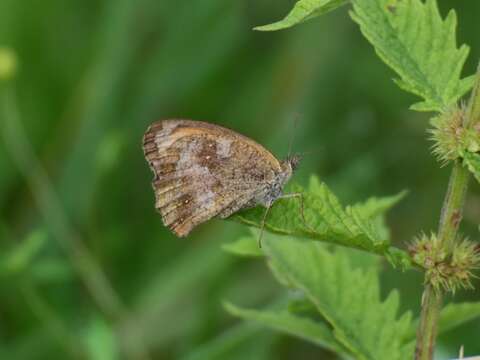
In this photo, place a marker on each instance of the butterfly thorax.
(274, 188)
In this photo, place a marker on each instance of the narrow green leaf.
(51, 270)
(245, 246)
(472, 162)
(451, 316)
(284, 321)
(21, 257)
(100, 340)
(412, 38)
(228, 343)
(348, 298)
(454, 315)
(327, 220)
(302, 11)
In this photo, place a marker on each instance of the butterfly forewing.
(203, 170)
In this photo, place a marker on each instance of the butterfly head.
(293, 161)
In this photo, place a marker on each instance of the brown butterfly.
(204, 170)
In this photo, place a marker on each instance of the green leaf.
(100, 340)
(22, 256)
(454, 315)
(284, 321)
(451, 316)
(412, 38)
(302, 11)
(472, 162)
(51, 270)
(244, 246)
(348, 298)
(327, 220)
(375, 206)
(243, 341)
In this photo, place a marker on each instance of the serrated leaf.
(412, 38)
(302, 11)
(375, 206)
(472, 162)
(282, 320)
(348, 298)
(451, 316)
(327, 220)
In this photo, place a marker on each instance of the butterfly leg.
(302, 207)
(262, 226)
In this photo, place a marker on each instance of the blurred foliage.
(93, 74)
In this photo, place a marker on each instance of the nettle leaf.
(327, 220)
(375, 206)
(451, 316)
(472, 162)
(282, 320)
(347, 297)
(302, 11)
(412, 38)
(454, 315)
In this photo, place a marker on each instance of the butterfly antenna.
(310, 152)
(295, 126)
(262, 228)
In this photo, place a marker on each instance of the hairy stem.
(447, 233)
(427, 329)
(450, 219)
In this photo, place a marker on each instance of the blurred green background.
(87, 270)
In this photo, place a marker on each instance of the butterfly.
(202, 170)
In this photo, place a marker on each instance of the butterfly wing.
(203, 170)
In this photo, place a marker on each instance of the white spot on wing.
(187, 155)
(205, 198)
(223, 148)
(188, 161)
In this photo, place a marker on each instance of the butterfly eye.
(294, 161)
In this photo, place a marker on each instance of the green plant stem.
(450, 219)
(453, 205)
(447, 232)
(427, 330)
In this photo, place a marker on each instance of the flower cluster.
(450, 138)
(446, 269)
